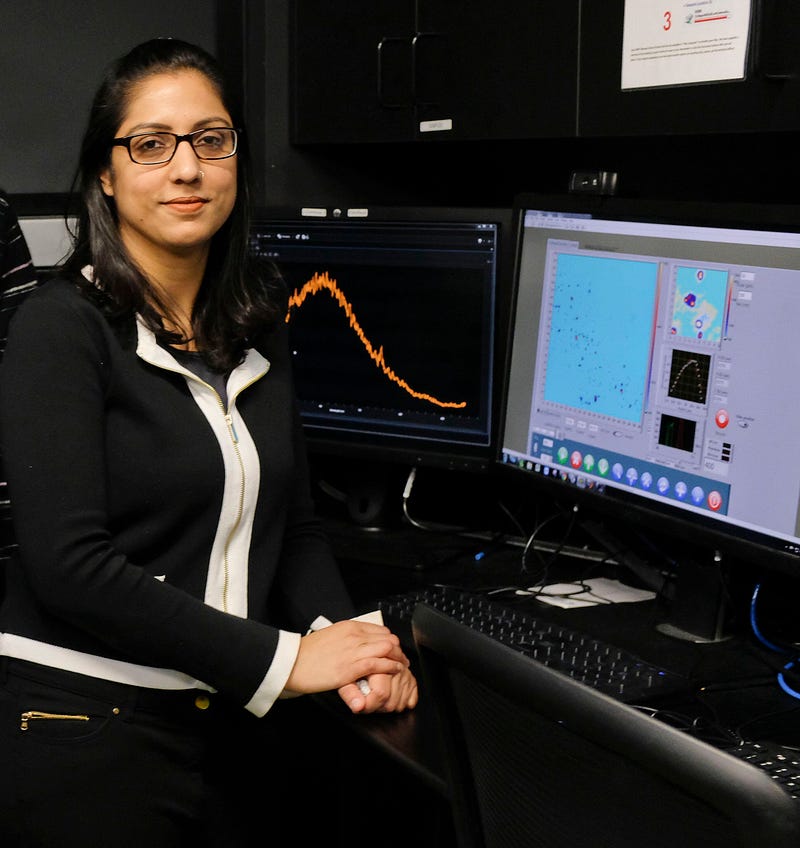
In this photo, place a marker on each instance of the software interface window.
(660, 359)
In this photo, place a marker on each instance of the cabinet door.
(767, 99)
(351, 70)
(498, 70)
(433, 70)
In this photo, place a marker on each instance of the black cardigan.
(157, 531)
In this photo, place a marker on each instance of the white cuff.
(281, 667)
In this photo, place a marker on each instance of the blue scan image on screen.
(599, 343)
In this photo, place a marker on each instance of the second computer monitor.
(393, 318)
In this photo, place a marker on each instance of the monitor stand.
(372, 528)
(368, 498)
(698, 610)
(693, 589)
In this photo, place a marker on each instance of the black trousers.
(86, 762)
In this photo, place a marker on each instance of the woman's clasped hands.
(344, 653)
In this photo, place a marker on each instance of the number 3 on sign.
(667, 21)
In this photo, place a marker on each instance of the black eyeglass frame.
(125, 142)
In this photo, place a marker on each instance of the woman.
(172, 582)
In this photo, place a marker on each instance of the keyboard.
(612, 670)
(782, 764)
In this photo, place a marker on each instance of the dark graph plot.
(677, 433)
(688, 376)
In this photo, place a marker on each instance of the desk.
(408, 738)
(383, 780)
(741, 690)
(741, 676)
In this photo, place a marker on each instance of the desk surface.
(740, 690)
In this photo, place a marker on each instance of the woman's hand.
(344, 652)
(388, 693)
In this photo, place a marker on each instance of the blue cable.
(772, 646)
(756, 631)
(784, 685)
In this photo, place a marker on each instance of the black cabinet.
(398, 70)
(766, 100)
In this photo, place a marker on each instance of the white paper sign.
(677, 42)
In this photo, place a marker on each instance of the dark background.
(532, 98)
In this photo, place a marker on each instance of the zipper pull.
(235, 438)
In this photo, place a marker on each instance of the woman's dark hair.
(236, 300)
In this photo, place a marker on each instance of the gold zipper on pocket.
(30, 715)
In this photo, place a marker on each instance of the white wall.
(47, 238)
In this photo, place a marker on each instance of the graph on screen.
(325, 283)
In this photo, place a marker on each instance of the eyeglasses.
(157, 148)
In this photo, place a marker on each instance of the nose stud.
(200, 174)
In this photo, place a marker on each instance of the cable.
(784, 685)
(412, 476)
(567, 533)
(428, 526)
(532, 539)
(756, 630)
(513, 518)
(782, 682)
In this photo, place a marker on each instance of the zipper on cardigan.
(32, 715)
(239, 511)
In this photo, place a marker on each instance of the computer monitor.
(654, 368)
(392, 320)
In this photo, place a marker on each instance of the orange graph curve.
(324, 282)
